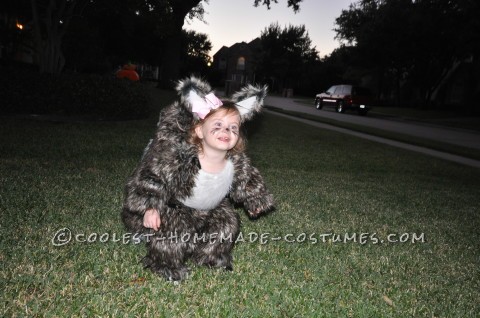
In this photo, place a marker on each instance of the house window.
(241, 63)
(222, 64)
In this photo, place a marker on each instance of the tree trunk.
(51, 59)
(49, 29)
(170, 69)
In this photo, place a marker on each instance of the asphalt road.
(454, 136)
(465, 138)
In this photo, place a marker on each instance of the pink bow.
(203, 107)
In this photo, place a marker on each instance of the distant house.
(235, 66)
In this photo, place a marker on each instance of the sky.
(232, 21)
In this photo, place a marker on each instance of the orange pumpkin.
(128, 71)
(129, 66)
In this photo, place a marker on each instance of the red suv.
(344, 97)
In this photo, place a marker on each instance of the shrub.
(28, 92)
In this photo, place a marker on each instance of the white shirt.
(210, 188)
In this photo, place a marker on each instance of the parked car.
(345, 97)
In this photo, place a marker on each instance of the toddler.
(181, 193)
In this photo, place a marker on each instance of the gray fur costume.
(166, 174)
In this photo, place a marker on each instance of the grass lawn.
(71, 175)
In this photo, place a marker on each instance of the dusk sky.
(232, 21)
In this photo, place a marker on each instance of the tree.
(109, 34)
(295, 4)
(196, 47)
(129, 31)
(51, 19)
(411, 44)
(286, 55)
(178, 10)
(381, 36)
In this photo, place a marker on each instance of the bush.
(28, 92)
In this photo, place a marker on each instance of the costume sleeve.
(166, 172)
(249, 188)
(145, 189)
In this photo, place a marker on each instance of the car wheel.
(340, 108)
(318, 104)
(362, 112)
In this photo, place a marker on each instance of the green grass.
(56, 175)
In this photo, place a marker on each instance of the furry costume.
(166, 174)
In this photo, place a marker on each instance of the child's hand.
(151, 219)
(255, 213)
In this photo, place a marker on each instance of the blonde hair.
(228, 107)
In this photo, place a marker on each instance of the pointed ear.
(249, 100)
(192, 89)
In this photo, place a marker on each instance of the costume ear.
(192, 90)
(249, 100)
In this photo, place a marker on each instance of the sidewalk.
(452, 136)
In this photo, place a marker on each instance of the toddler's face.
(220, 131)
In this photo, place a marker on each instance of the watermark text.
(65, 236)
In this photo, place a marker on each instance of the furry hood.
(249, 100)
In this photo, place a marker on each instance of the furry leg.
(218, 237)
(169, 248)
(166, 260)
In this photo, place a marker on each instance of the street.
(465, 138)
(459, 137)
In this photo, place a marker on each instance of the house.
(235, 66)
